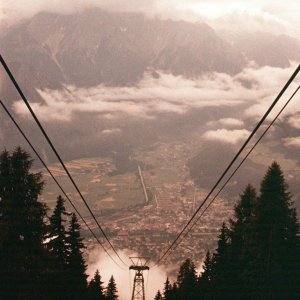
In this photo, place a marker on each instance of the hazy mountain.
(268, 49)
(113, 48)
(248, 22)
(262, 38)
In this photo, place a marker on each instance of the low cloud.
(111, 131)
(154, 280)
(228, 122)
(292, 142)
(226, 136)
(294, 121)
(270, 84)
(165, 93)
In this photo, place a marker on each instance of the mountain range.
(99, 47)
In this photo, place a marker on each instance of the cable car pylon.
(138, 265)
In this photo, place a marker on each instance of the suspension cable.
(55, 180)
(232, 162)
(56, 153)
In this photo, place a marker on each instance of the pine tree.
(57, 247)
(220, 270)
(111, 290)
(167, 290)
(275, 238)
(174, 292)
(95, 288)
(76, 267)
(243, 213)
(207, 274)
(158, 296)
(205, 280)
(187, 281)
(21, 226)
(241, 247)
(57, 244)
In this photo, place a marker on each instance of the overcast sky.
(285, 13)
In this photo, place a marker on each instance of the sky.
(285, 13)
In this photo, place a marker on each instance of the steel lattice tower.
(138, 265)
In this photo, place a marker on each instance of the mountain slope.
(97, 47)
(268, 49)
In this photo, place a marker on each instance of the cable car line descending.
(56, 181)
(183, 233)
(56, 153)
(234, 172)
(293, 76)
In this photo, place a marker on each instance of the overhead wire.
(236, 169)
(55, 180)
(9, 73)
(208, 195)
(290, 80)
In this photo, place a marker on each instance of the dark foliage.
(22, 256)
(95, 288)
(257, 256)
(111, 290)
(39, 259)
(76, 267)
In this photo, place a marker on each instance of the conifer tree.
(167, 290)
(243, 213)
(174, 295)
(76, 267)
(220, 280)
(111, 290)
(158, 296)
(187, 280)
(205, 280)
(207, 274)
(21, 226)
(57, 245)
(241, 247)
(95, 288)
(275, 238)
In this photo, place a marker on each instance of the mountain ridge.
(99, 47)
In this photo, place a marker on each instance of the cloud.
(111, 131)
(292, 142)
(228, 122)
(166, 93)
(294, 121)
(124, 280)
(190, 10)
(226, 136)
(270, 83)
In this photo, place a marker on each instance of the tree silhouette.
(158, 296)
(57, 244)
(21, 226)
(95, 288)
(242, 246)
(57, 247)
(76, 267)
(207, 276)
(111, 290)
(167, 290)
(187, 280)
(275, 228)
